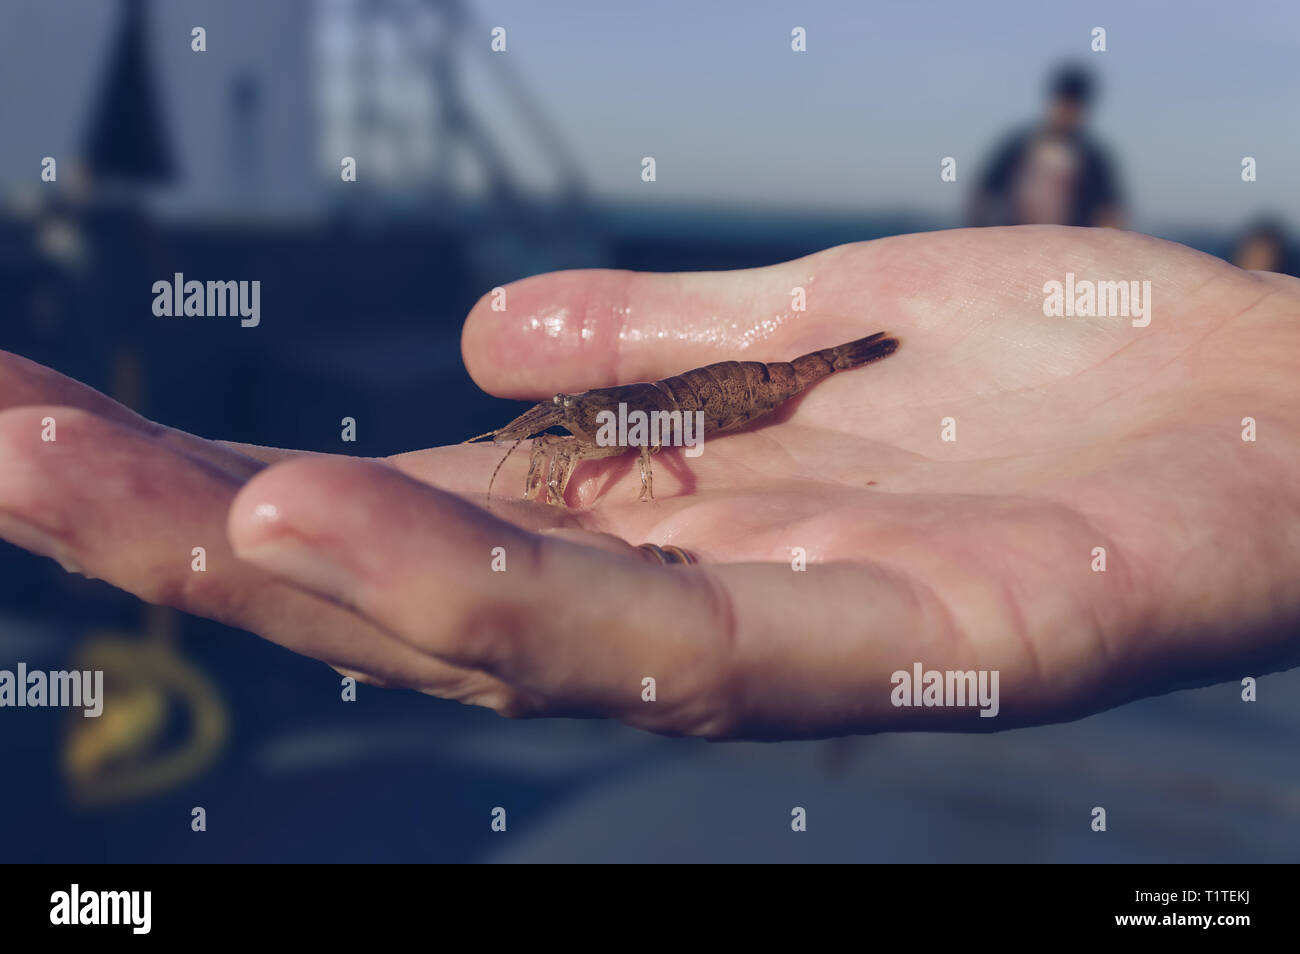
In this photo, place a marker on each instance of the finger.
(24, 382)
(957, 299)
(110, 502)
(747, 649)
(570, 331)
(574, 628)
(461, 469)
(267, 455)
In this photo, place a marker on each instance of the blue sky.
(733, 117)
(887, 88)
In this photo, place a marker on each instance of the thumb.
(571, 331)
(571, 624)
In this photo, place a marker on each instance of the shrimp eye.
(557, 399)
(568, 401)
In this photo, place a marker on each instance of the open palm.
(1066, 501)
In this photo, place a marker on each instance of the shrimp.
(728, 396)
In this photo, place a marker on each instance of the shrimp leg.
(554, 457)
(647, 472)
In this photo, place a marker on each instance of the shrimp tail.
(817, 365)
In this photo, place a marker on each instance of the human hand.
(974, 554)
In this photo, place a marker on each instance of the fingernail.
(289, 557)
(22, 534)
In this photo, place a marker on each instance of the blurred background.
(476, 167)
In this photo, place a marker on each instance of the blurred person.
(1078, 435)
(1263, 247)
(1052, 173)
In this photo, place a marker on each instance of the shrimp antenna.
(498, 470)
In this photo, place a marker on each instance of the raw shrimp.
(729, 394)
